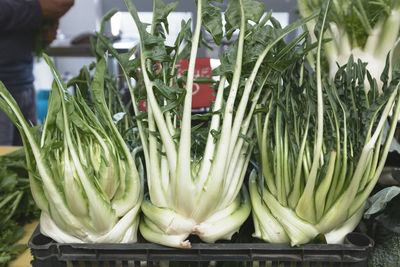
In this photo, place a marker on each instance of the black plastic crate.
(48, 253)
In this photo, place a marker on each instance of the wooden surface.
(24, 260)
(8, 149)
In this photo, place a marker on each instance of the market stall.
(153, 155)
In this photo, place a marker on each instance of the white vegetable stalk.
(187, 195)
(176, 209)
(380, 43)
(83, 176)
(323, 193)
(373, 33)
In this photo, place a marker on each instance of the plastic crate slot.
(276, 256)
(320, 257)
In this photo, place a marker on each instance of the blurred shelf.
(66, 49)
(70, 51)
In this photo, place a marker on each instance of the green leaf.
(153, 46)
(54, 105)
(168, 92)
(106, 18)
(379, 201)
(161, 12)
(8, 180)
(212, 21)
(97, 86)
(321, 18)
(253, 11)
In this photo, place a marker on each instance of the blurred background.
(70, 51)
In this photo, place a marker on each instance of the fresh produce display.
(83, 176)
(17, 206)
(320, 150)
(316, 139)
(199, 191)
(366, 29)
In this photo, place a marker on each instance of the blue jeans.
(9, 134)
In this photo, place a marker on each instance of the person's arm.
(28, 14)
(55, 9)
(19, 15)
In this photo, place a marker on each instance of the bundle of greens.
(83, 176)
(197, 189)
(367, 29)
(320, 150)
(16, 204)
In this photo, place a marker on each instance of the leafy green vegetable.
(193, 186)
(16, 204)
(83, 176)
(320, 149)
